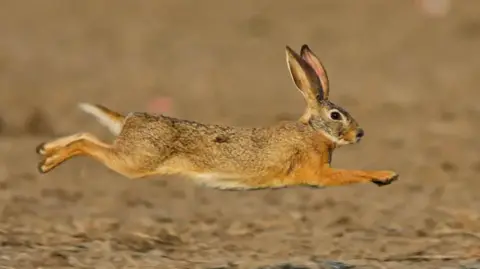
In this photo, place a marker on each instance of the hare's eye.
(335, 115)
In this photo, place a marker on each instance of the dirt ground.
(409, 79)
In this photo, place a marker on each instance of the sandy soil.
(409, 79)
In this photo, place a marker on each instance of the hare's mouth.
(351, 137)
(342, 141)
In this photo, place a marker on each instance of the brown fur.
(286, 154)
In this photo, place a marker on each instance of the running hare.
(231, 158)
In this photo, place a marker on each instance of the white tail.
(112, 120)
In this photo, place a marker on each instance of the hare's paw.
(42, 167)
(48, 148)
(40, 149)
(384, 178)
(51, 147)
(51, 152)
(52, 160)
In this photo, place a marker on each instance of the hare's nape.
(59, 150)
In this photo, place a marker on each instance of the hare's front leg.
(62, 149)
(338, 177)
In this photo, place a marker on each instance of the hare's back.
(229, 149)
(208, 147)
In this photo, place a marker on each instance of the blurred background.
(407, 70)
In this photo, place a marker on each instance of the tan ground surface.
(411, 81)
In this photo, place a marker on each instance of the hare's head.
(310, 77)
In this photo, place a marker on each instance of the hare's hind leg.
(48, 148)
(58, 151)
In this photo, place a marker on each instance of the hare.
(289, 153)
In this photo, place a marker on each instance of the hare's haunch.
(233, 158)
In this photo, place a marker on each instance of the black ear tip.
(304, 48)
(289, 50)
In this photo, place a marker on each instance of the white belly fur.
(219, 181)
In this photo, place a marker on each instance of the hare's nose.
(360, 133)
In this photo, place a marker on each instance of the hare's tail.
(112, 120)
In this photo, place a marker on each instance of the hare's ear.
(304, 77)
(315, 63)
